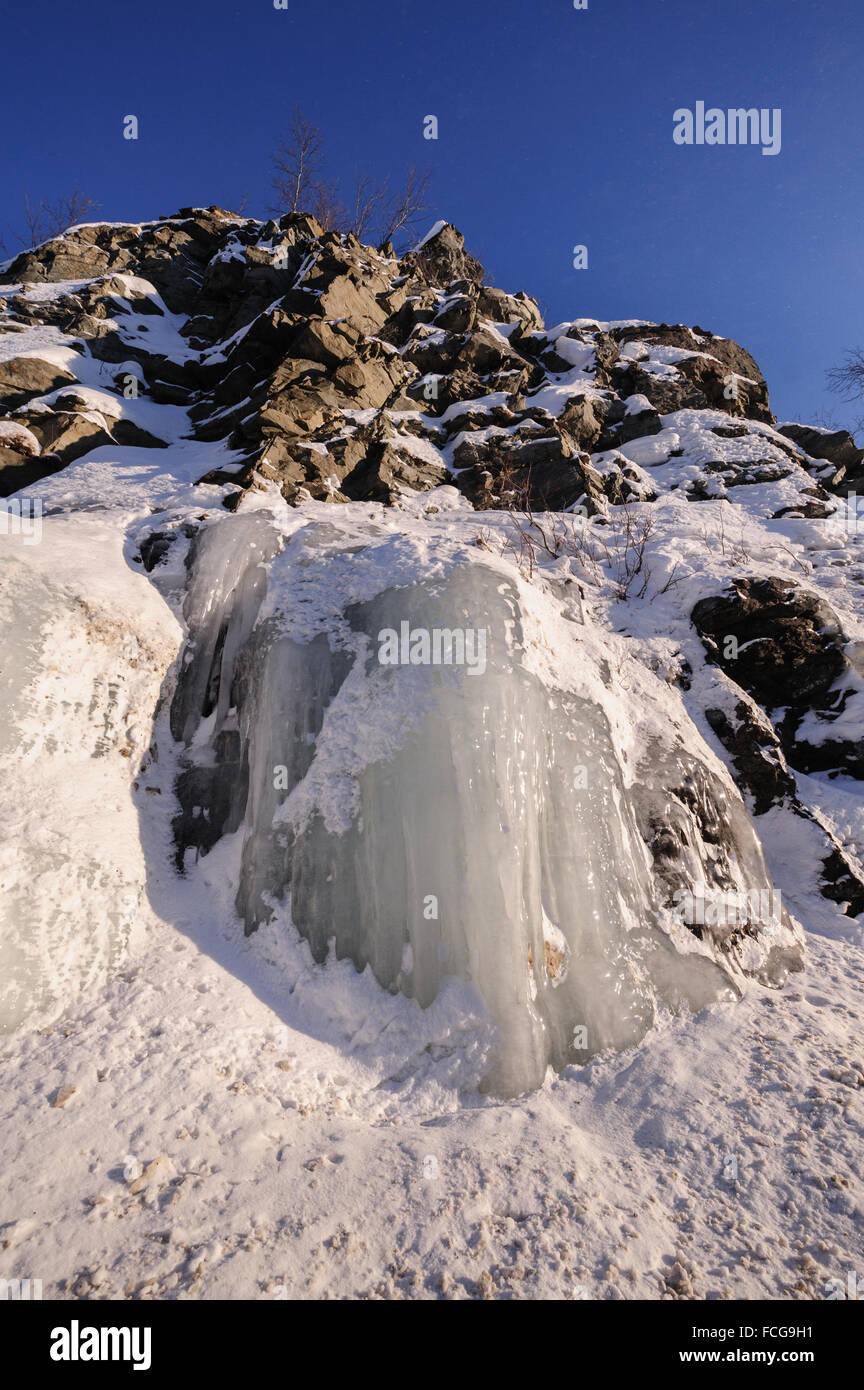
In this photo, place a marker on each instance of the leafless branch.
(325, 204)
(368, 204)
(848, 381)
(408, 205)
(296, 165)
(44, 220)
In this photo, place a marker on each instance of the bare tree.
(404, 209)
(373, 212)
(33, 221)
(325, 204)
(823, 419)
(297, 164)
(44, 220)
(848, 381)
(368, 203)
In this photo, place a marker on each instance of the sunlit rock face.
(457, 816)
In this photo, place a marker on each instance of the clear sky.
(555, 129)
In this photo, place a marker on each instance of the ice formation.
(435, 820)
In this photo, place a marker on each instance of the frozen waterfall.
(458, 817)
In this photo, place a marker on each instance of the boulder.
(787, 651)
(23, 378)
(787, 647)
(501, 307)
(387, 470)
(19, 470)
(835, 446)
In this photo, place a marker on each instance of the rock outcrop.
(340, 372)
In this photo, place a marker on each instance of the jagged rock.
(287, 345)
(711, 381)
(386, 470)
(501, 307)
(175, 255)
(637, 423)
(702, 377)
(433, 350)
(606, 355)
(535, 475)
(624, 421)
(416, 309)
(68, 435)
(841, 882)
(760, 767)
(81, 254)
(578, 424)
(837, 447)
(458, 314)
(813, 510)
(483, 352)
(357, 302)
(319, 341)
(787, 651)
(788, 642)
(127, 433)
(733, 474)
(23, 378)
(443, 259)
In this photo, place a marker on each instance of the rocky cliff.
(186, 373)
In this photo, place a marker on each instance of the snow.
(432, 232)
(15, 436)
(418, 448)
(653, 449)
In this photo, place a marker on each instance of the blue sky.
(555, 129)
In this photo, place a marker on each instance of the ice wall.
(435, 820)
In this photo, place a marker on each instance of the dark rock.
(760, 767)
(790, 658)
(19, 470)
(386, 470)
(509, 308)
(789, 643)
(838, 447)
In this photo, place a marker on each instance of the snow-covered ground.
(191, 1113)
